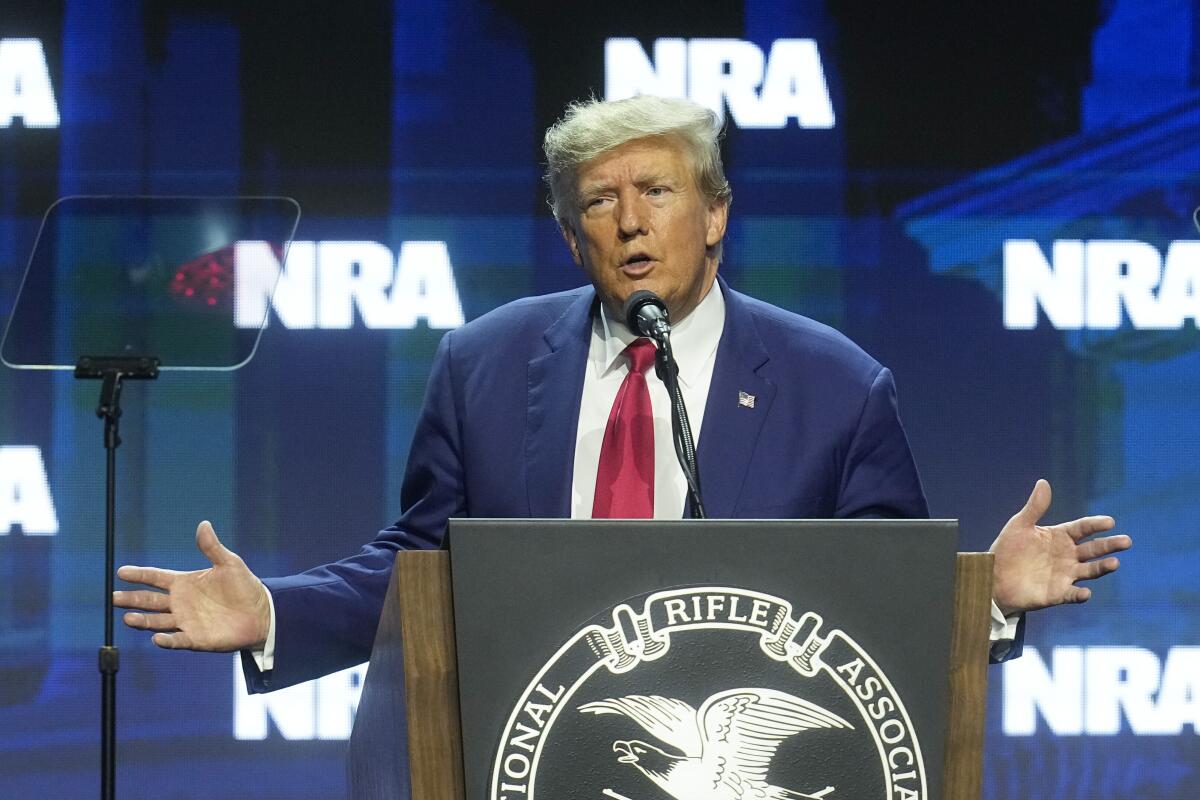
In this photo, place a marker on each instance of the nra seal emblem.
(709, 693)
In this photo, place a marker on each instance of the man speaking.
(547, 407)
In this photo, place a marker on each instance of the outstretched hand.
(219, 609)
(1038, 566)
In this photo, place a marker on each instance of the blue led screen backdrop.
(995, 203)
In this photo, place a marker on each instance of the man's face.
(641, 222)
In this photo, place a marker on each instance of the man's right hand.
(219, 609)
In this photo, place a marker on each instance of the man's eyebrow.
(595, 187)
(646, 179)
(654, 178)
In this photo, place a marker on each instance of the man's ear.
(568, 233)
(718, 216)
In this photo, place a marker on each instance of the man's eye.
(656, 191)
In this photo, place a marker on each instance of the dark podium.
(632, 660)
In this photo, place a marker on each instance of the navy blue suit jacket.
(496, 438)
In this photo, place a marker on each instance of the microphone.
(646, 314)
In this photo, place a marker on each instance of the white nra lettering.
(901, 757)
(676, 611)
(760, 91)
(851, 670)
(884, 717)
(734, 616)
(323, 283)
(1093, 691)
(870, 687)
(26, 94)
(25, 498)
(516, 765)
(320, 709)
(717, 608)
(1096, 284)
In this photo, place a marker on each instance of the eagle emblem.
(746, 743)
(724, 750)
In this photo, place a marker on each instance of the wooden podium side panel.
(431, 673)
(415, 646)
(376, 762)
(963, 772)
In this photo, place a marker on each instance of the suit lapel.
(731, 428)
(552, 416)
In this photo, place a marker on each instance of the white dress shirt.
(694, 340)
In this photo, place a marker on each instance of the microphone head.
(636, 318)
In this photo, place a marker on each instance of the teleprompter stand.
(147, 284)
(112, 371)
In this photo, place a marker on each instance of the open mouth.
(637, 263)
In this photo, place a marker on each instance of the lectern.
(690, 659)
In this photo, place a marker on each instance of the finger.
(1078, 594)
(142, 601)
(1037, 504)
(151, 622)
(210, 545)
(1102, 547)
(1086, 526)
(172, 641)
(1095, 569)
(151, 576)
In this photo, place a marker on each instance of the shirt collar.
(694, 338)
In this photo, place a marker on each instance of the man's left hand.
(1038, 566)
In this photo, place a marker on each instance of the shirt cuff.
(1004, 631)
(264, 659)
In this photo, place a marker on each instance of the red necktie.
(625, 478)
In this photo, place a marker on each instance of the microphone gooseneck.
(646, 314)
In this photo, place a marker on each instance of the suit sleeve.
(326, 617)
(879, 476)
(1002, 650)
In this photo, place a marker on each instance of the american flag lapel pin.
(745, 400)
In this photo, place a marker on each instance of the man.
(533, 410)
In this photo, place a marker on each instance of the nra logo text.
(1100, 691)
(324, 283)
(761, 91)
(25, 500)
(26, 95)
(1097, 284)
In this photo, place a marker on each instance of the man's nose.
(631, 218)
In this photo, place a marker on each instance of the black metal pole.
(110, 657)
(111, 370)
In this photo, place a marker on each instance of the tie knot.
(640, 354)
